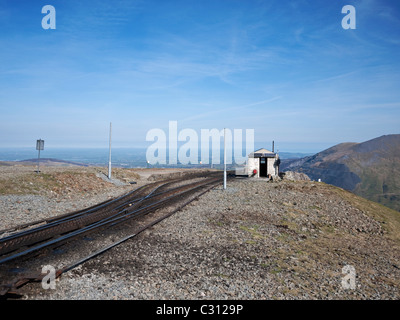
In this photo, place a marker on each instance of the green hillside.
(370, 169)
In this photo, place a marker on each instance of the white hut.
(260, 163)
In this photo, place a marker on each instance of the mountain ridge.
(368, 169)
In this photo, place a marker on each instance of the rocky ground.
(255, 240)
(26, 196)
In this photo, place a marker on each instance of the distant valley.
(370, 169)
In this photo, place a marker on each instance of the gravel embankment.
(255, 240)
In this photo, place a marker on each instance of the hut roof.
(262, 153)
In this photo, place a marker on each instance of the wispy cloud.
(228, 110)
(244, 63)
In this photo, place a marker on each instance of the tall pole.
(39, 146)
(224, 158)
(38, 161)
(109, 157)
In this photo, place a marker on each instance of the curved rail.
(105, 215)
(9, 288)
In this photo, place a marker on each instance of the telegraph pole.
(224, 158)
(109, 156)
(39, 146)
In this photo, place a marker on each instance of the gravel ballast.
(255, 240)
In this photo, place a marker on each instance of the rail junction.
(71, 239)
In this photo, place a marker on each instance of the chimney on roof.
(273, 142)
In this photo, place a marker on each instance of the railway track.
(38, 239)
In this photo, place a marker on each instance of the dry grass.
(32, 183)
(388, 218)
(50, 181)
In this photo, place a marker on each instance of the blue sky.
(286, 69)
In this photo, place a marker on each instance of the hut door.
(263, 167)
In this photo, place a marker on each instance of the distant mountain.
(370, 169)
(293, 155)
